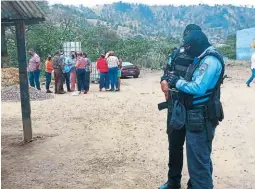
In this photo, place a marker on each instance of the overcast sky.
(91, 3)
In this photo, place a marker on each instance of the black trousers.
(176, 139)
(67, 80)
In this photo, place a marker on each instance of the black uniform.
(176, 138)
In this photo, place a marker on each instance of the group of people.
(73, 69)
(109, 66)
(68, 69)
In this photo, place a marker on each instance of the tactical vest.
(181, 63)
(213, 107)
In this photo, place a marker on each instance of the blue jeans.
(34, 79)
(107, 81)
(48, 80)
(252, 77)
(67, 79)
(200, 167)
(104, 80)
(113, 74)
(81, 79)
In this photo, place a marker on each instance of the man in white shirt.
(252, 68)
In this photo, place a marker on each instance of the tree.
(229, 49)
(68, 24)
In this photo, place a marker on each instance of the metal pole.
(3, 46)
(24, 90)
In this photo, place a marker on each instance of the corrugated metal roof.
(12, 11)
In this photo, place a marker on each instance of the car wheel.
(136, 76)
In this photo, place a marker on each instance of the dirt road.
(118, 140)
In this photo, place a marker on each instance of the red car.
(129, 69)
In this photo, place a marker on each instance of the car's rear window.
(127, 64)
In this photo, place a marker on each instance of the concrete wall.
(244, 39)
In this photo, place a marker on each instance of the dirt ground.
(118, 140)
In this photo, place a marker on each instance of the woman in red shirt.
(102, 68)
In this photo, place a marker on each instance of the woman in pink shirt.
(80, 71)
(73, 71)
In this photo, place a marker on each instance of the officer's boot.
(168, 185)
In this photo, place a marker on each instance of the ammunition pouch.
(219, 113)
(195, 119)
(204, 117)
(215, 111)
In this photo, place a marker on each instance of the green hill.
(166, 21)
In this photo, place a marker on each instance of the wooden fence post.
(24, 89)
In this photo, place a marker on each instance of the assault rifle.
(165, 105)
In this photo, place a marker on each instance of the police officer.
(201, 89)
(178, 62)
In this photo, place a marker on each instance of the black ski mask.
(195, 43)
(191, 27)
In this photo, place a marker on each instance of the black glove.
(172, 80)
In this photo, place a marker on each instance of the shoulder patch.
(202, 69)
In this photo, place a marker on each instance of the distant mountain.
(165, 21)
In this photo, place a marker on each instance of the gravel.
(12, 94)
